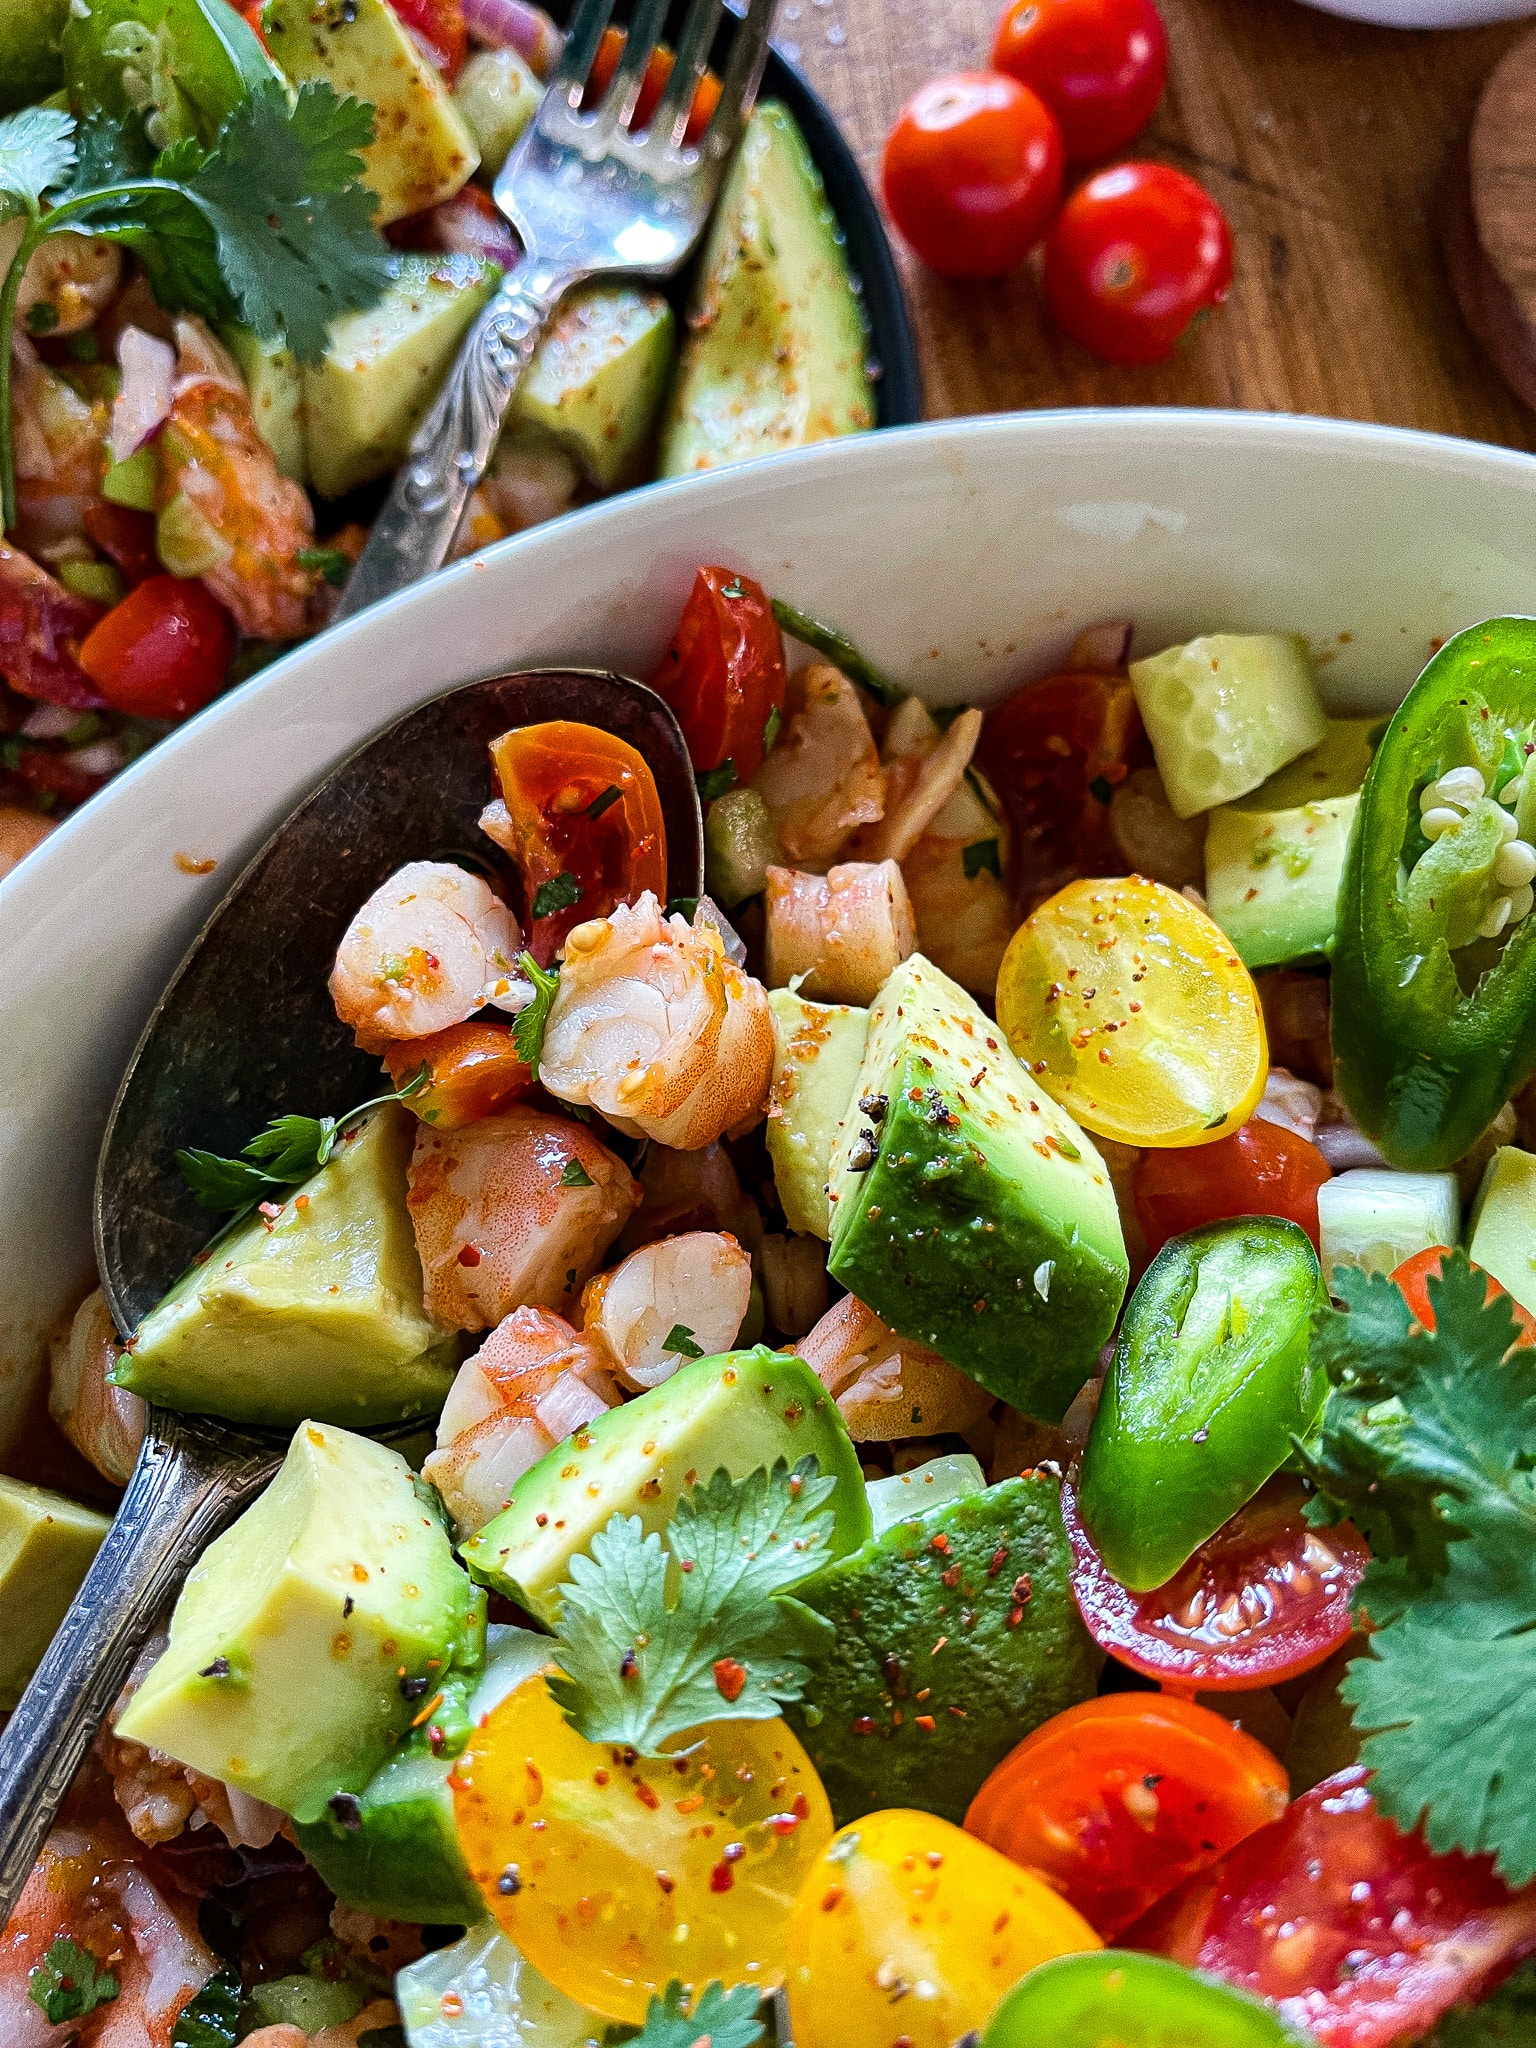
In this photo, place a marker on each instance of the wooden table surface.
(1323, 140)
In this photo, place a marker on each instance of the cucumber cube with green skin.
(1225, 712)
(968, 1209)
(47, 1544)
(818, 1049)
(741, 1410)
(484, 1993)
(1374, 1218)
(599, 375)
(913, 1492)
(957, 1633)
(1503, 1231)
(1336, 768)
(1272, 877)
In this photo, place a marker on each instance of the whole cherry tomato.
(1099, 66)
(472, 1071)
(1119, 1799)
(438, 25)
(723, 673)
(163, 652)
(1415, 1274)
(1136, 253)
(973, 172)
(1261, 1170)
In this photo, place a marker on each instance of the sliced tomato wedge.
(438, 25)
(472, 1071)
(583, 822)
(1262, 1600)
(1356, 1932)
(1415, 1274)
(1119, 1799)
(723, 673)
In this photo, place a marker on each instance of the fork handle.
(452, 447)
(182, 1493)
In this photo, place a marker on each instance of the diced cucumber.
(497, 95)
(98, 581)
(906, 1494)
(1503, 1230)
(1374, 1219)
(186, 542)
(481, 1993)
(740, 845)
(1224, 712)
(132, 483)
(308, 2003)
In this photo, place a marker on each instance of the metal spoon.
(244, 1032)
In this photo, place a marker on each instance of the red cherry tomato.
(1358, 1933)
(1099, 66)
(438, 25)
(163, 652)
(1262, 1600)
(1135, 254)
(125, 537)
(1415, 1274)
(1261, 1170)
(973, 172)
(723, 673)
(706, 94)
(1119, 1799)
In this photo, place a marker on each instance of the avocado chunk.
(777, 348)
(316, 1312)
(968, 1209)
(1503, 1236)
(277, 397)
(421, 152)
(742, 1410)
(957, 1633)
(30, 63)
(1272, 877)
(599, 375)
(46, 1547)
(1336, 768)
(382, 368)
(314, 1631)
(817, 1052)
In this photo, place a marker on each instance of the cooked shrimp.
(655, 1027)
(104, 1423)
(842, 933)
(954, 876)
(431, 946)
(695, 1287)
(691, 1191)
(514, 1210)
(823, 778)
(885, 1386)
(532, 1382)
(923, 769)
(212, 454)
(20, 832)
(74, 276)
(60, 456)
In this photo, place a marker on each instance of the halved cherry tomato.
(972, 172)
(164, 652)
(723, 673)
(472, 1071)
(706, 94)
(1119, 1799)
(1265, 1599)
(583, 823)
(1359, 1934)
(1134, 1012)
(1118, 1999)
(1099, 66)
(125, 537)
(1261, 1170)
(438, 25)
(1415, 1274)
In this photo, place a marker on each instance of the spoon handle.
(187, 1485)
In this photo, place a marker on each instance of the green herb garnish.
(574, 1175)
(720, 2018)
(839, 650)
(773, 724)
(981, 854)
(291, 1149)
(69, 1982)
(559, 894)
(713, 782)
(212, 2020)
(334, 564)
(528, 1025)
(680, 1339)
(599, 804)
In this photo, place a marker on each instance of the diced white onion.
(148, 366)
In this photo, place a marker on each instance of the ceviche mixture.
(239, 251)
(969, 1495)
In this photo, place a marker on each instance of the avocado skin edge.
(990, 1684)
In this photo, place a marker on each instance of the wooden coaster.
(1487, 220)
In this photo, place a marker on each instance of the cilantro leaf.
(773, 724)
(333, 564)
(69, 1982)
(981, 855)
(639, 1668)
(559, 894)
(681, 1339)
(528, 1025)
(837, 648)
(37, 154)
(290, 1149)
(109, 152)
(172, 239)
(720, 2018)
(1507, 2018)
(218, 1183)
(574, 1175)
(713, 782)
(212, 2019)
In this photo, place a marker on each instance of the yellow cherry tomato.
(614, 1874)
(908, 1929)
(1133, 1010)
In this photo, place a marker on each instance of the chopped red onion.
(148, 366)
(462, 227)
(1103, 647)
(516, 25)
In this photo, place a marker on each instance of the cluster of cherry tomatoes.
(976, 163)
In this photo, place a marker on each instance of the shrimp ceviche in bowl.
(975, 1388)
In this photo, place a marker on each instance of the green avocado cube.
(1272, 877)
(742, 1410)
(46, 1547)
(313, 1631)
(817, 1051)
(313, 1313)
(968, 1209)
(956, 1634)
(1503, 1234)
(277, 397)
(599, 375)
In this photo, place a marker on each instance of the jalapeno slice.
(1434, 966)
(1119, 1999)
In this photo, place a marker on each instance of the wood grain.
(1323, 139)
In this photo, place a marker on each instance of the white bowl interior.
(963, 557)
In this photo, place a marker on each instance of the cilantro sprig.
(212, 2019)
(272, 226)
(1426, 1443)
(69, 1982)
(528, 1025)
(720, 2018)
(656, 1638)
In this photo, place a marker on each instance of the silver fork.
(587, 198)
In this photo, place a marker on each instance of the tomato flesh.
(1265, 1599)
(1355, 1931)
(438, 25)
(472, 1071)
(1099, 65)
(125, 537)
(1119, 1799)
(723, 672)
(164, 651)
(1260, 1170)
(1124, 2000)
(706, 94)
(1414, 1275)
(582, 815)
(972, 172)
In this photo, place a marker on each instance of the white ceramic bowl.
(963, 556)
(1426, 13)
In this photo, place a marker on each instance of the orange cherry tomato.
(706, 94)
(1261, 1170)
(972, 172)
(1415, 1274)
(473, 1071)
(583, 823)
(1119, 1799)
(723, 672)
